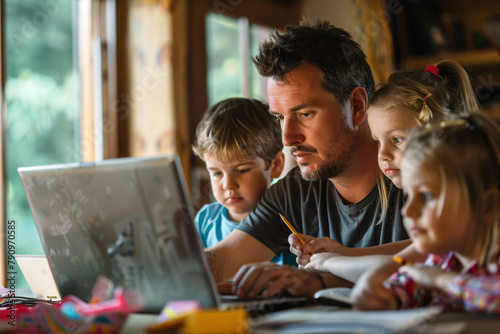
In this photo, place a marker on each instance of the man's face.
(314, 125)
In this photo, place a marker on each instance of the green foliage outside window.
(41, 98)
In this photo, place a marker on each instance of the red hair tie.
(433, 69)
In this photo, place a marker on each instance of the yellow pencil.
(401, 261)
(293, 230)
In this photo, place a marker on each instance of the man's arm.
(237, 249)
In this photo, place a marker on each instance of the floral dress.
(474, 288)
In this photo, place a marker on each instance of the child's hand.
(312, 245)
(428, 277)
(370, 292)
(322, 261)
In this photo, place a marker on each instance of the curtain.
(151, 86)
(371, 21)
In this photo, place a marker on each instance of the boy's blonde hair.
(466, 151)
(238, 129)
(446, 93)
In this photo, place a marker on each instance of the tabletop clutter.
(107, 312)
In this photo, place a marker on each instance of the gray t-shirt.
(315, 208)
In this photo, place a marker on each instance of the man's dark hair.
(341, 61)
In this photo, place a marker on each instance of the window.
(230, 71)
(41, 94)
(60, 93)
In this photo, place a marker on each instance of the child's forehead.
(392, 118)
(388, 111)
(228, 159)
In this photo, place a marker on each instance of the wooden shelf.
(472, 58)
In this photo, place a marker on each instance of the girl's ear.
(277, 164)
(490, 203)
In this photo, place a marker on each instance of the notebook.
(128, 219)
(334, 296)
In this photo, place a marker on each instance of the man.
(319, 86)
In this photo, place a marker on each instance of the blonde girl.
(451, 177)
(410, 99)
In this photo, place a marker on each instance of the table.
(451, 323)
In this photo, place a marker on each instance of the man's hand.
(225, 288)
(312, 245)
(269, 279)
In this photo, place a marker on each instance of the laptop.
(128, 219)
(36, 270)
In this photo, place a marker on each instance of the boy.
(240, 143)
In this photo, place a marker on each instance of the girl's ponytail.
(461, 97)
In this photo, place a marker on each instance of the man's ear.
(277, 164)
(359, 105)
(490, 203)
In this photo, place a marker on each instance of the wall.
(338, 12)
(367, 22)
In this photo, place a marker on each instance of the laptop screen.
(127, 219)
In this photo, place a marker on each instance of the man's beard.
(335, 163)
(326, 170)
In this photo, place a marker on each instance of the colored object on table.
(123, 301)
(174, 314)
(176, 308)
(207, 321)
(71, 315)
